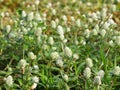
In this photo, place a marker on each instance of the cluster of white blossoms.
(35, 80)
(68, 51)
(116, 71)
(22, 63)
(32, 56)
(9, 80)
(87, 72)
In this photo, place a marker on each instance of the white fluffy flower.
(116, 71)
(53, 11)
(33, 86)
(87, 72)
(9, 80)
(8, 28)
(102, 32)
(59, 62)
(35, 79)
(65, 77)
(101, 73)
(87, 33)
(117, 40)
(22, 63)
(111, 43)
(37, 16)
(62, 37)
(94, 32)
(75, 56)
(64, 18)
(60, 30)
(97, 80)
(30, 16)
(78, 22)
(68, 51)
(54, 55)
(89, 62)
(38, 31)
(31, 55)
(53, 24)
(37, 2)
(51, 41)
(24, 14)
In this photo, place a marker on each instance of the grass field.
(59, 44)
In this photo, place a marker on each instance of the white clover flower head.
(60, 30)
(30, 16)
(117, 40)
(106, 25)
(68, 51)
(101, 73)
(36, 68)
(34, 85)
(83, 42)
(87, 33)
(45, 47)
(9, 80)
(57, 20)
(53, 24)
(89, 62)
(116, 71)
(102, 32)
(12, 35)
(24, 14)
(35, 79)
(2, 14)
(72, 18)
(94, 32)
(38, 31)
(22, 63)
(31, 55)
(97, 80)
(94, 16)
(78, 23)
(65, 77)
(51, 41)
(64, 17)
(87, 72)
(62, 36)
(37, 2)
(75, 56)
(59, 62)
(104, 13)
(49, 5)
(37, 17)
(68, 29)
(8, 28)
(111, 43)
(54, 55)
(53, 11)
(65, 41)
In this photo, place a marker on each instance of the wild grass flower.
(101, 73)
(31, 55)
(97, 80)
(68, 51)
(51, 41)
(30, 16)
(59, 62)
(65, 77)
(53, 24)
(38, 31)
(54, 55)
(87, 72)
(24, 14)
(89, 62)
(60, 30)
(9, 80)
(116, 71)
(22, 63)
(75, 56)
